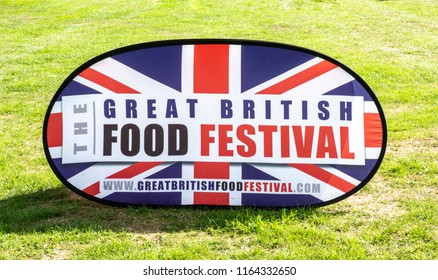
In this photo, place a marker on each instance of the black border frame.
(180, 42)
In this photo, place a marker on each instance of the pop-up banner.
(214, 122)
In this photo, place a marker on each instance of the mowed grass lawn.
(392, 45)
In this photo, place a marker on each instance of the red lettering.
(206, 139)
(230, 140)
(285, 141)
(267, 130)
(224, 140)
(345, 143)
(326, 143)
(303, 144)
(283, 187)
(249, 148)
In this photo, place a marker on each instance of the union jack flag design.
(224, 67)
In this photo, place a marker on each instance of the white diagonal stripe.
(284, 76)
(287, 173)
(322, 84)
(55, 152)
(96, 173)
(93, 85)
(57, 107)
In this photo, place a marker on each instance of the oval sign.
(214, 122)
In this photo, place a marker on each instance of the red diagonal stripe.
(299, 78)
(93, 190)
(325, 176)
(211, 198)
(133, 170)
(105, 81)
(211, 69)
(211, 170)
(54, 130)
(373, 130)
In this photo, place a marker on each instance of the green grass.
(393, 45)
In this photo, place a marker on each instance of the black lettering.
(178, 139)
(108, 138)
(153, 140)
(130, 140)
